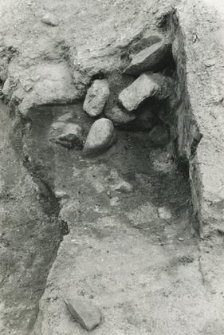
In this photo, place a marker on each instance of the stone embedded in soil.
(50, 19)
(96, 97)
(141, 89)
(84, 312)
(160, 136)
(164, 213)
(119, 117)
(101, 136)
(153, 58)
(69, 135)
(123, 187)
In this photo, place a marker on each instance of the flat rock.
(96, 97)
(159, 135)
(153, 58)
(119, 117)
(50, 19)
(141, 89)
(84, 312)
(101, 136)
(69, 135)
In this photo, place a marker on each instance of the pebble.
(123, 187)
(114, 201)
(96, 97)
(50, 19)
(164, 213)
(84, 312)
(101, 136)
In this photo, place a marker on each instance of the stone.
(141, 89)
(164, 213)
(69, 135)
(101, 136)
(119, 117)
(153, 58)
(160, 135)
(50, 19)
(84, 312)
(96, 97)
(54, 87)
(123, 187)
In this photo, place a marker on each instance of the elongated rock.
(141, 89)
(96, 97)
(84, 312)
(101, 136)
(153, 58)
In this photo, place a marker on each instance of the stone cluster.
(134, 106)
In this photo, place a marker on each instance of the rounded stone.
(101, 136)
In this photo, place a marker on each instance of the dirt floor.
(148, 275)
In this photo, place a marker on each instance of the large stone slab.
(101, 136)
(141, 89)
(153, 58)
(84, 312)
(96, 97)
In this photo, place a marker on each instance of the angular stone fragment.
(141, 89)
(101, 136)
(153, 58)
(69, 135)
(160, 136)
(84, 312)
(50, 19)
(96, 97)
(119, 117)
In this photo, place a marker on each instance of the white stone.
(101, 136)
(141, 89)
(96, 97)
(164, 213)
